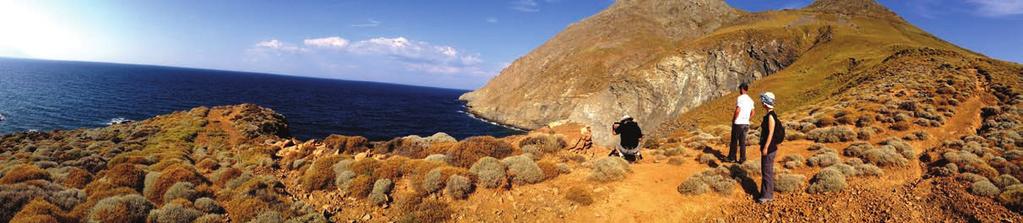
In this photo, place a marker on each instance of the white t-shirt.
(745, 104)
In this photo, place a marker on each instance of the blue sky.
(444, 43)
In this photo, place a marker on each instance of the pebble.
(367, 217)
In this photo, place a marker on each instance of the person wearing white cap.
(772, 133)
(630, 133)
(740, 125)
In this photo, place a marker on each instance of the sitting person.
(585, 142)
(630, 134)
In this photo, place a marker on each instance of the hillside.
(610, 64)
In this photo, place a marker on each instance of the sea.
(44, 95)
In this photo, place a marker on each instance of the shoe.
(727, 160)
(763, 200)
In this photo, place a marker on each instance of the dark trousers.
(767, 173)
(738, 140)
(632, 158)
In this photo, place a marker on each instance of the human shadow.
(748, 185)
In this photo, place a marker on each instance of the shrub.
(609, 169)
(523, 170)
(342, 166)
(549, 169)
(268, 217)
(884, 156)
(410, 146)
(381, 189)
(311, 217)
(716, 179)
(168, 178)
(417, 210)
(901, 147)
(24, 172)
(677, 161)
(706, 158)
(68, 199)
(827, 180)
(825, 121)
(364, 166)
(468, 151)
(972, 177)
(580, 195)
(361, 186)
(867, 169)
(1012, 196)
(831, 134)
(900, 126)
(436, 178)
(183, 190)
(751, 167)
(490, 172)
(77, 178)
(792, 161)
(220, 177)
(823, 158)
(344, 179)
(210, 218)
(1005, 180)
(693, 186)
(208, 205)
(789, 182)
(246, 208)
(174, 213)
(439, 158)
(546, 143)
(817, 146)
(459, 187)
(125, 208)
(320, 175)
(563, 168)
(346, 144)
(984, 188)
(39, 210)
(866, 133)
(856, 149)
(673, 151)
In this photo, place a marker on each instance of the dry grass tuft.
(468, 151)
(580, 195)
(24, 172)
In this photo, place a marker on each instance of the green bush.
(984, 188)
(1012, 196)
(609, 169)
(459, 187)
(867, 169)
(857, 149)
(823, 158)
(183, 190)
(174, 213)
(1005, 180)
(381, 191)
(884, 156)
(827, 180)
(832, 134)
(490, 172)
(523, 170)
(787, 183)
(208, 205)
(718, 180)
(125, 208)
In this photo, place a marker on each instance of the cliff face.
(650, 59)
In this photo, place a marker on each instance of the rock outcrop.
(649, 59)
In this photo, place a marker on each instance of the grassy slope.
(823, 70)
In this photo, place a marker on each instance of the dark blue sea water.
(47, 95)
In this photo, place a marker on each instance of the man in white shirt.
(740, 125)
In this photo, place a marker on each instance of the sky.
(457, 44)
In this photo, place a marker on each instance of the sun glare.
(36, 33)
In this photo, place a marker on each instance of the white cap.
(626, 117)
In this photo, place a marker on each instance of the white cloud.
(277, 45)
(525, 6)
(491, 20)
(996, 8)
(418, 56)
(327, 42)
(369, 24)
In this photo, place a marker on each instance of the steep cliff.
(655, 60)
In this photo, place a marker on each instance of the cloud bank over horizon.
(369, 59)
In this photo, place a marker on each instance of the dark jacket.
(630, 133)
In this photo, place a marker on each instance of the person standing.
(772, 133)
(630, 133)
(740, 125)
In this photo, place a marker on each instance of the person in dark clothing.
(740, 125)
(771, 134)
(630, 134)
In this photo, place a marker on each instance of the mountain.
(656, 60)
